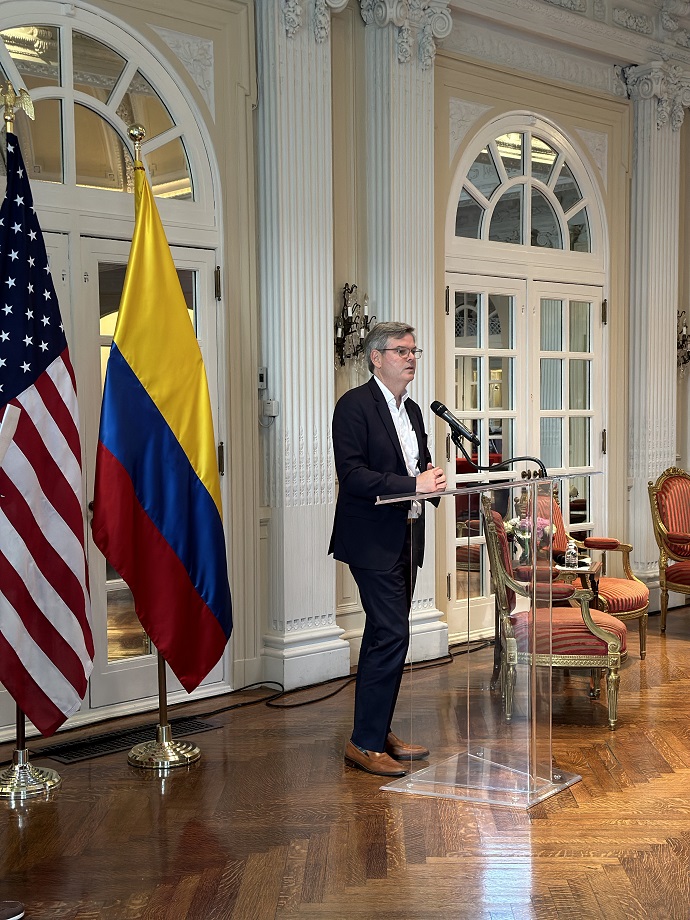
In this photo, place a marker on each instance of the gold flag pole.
(22, 780)
(163, 753)
(12, 102)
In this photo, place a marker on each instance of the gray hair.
(380, 336)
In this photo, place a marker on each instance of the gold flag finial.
(137, 133)
(12, 102)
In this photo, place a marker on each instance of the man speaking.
(380, 448)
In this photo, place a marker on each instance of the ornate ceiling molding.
(669, 84)
(420, 22)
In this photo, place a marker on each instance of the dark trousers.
(386, 598)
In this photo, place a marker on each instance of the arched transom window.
(521, 189)
(85, 94)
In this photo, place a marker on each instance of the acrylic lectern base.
(479, 776)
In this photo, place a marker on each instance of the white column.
(302, 643)
(400, 48)
(659, 92)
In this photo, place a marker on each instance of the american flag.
(46, 646)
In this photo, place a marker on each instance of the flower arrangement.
(520, 529)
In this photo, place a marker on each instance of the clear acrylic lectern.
(480, 752)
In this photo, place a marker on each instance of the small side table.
(589, 575)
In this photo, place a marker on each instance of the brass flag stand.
(22, 780)
(163, 753)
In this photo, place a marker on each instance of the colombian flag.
(157, 508)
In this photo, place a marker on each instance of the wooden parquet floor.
(271, 823)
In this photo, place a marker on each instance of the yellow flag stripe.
(156, 338)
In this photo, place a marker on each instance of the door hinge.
(448, 585)
(603, 441)
(221, 458)
(216, 280)
(447, 301)
(604, 311)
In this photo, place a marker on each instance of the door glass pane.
(483, 174)
(551, 324)
(468, 216)
(467, 383)
(466, 319)
(506, 223)
(551, 392)
(35, 51)
(169, 171)
(501, 321)
(566, 189)
(510, 150)
(96, 66)
(501, 439)
(103, 160)
(578, 228)
(142, 104)
(40, 140)
(580, 384)
(579, 441)
(551, 442)
(126, 636)
(580, 326)
(546, 231)
(543, 158)
(578, 501)
(501, 383)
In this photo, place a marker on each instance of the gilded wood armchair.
(669, 498)
(579, 637)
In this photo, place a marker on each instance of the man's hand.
(433, 480)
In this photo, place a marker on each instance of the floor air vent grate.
(113, 742)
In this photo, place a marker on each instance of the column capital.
(293, 16)
(669, 84)
(423, 21)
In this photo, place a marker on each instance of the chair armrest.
(603, 543)
(682, 539)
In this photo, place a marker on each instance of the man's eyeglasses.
(404, 352)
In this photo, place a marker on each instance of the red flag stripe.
(55, 389)
(46, 716)
(45, 558)
(49, 473)
(49, 644)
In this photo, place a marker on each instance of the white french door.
(524, 371)
(125, 667)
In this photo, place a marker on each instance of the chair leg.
(613, 680)
(595, 683)
(664, 608)
(643, 636)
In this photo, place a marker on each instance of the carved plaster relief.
(598, 145)
(636, 22)
(293, 16)
(668, 83)
(462, 116)
(196, 55)
(522, 54)
(426, 20)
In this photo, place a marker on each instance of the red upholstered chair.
(625, 598)
(580, 637)
(669, 498)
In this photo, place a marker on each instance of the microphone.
(456, 426)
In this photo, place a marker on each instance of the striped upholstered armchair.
(580, 637)
(669, 498)
(625, 598)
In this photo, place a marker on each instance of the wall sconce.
(351, 326)
(682, 342)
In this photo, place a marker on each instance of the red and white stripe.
(46, 646)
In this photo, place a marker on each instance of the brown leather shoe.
(372, 762)
(401, 750)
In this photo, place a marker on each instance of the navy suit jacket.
(369, 462)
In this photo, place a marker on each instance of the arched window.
(521, 189)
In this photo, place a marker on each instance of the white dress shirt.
(406, 436)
